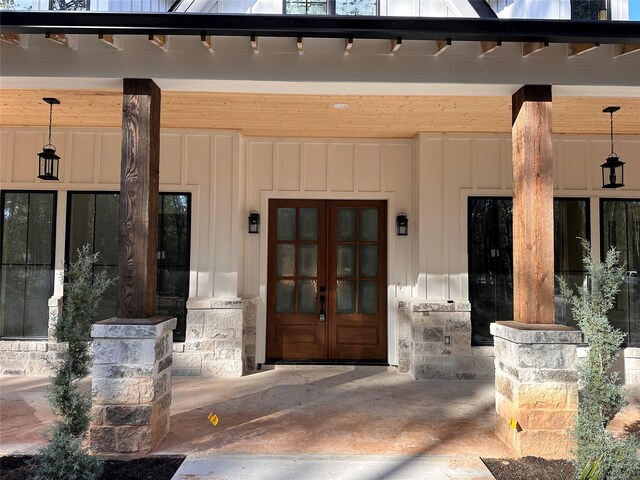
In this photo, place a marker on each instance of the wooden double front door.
(327, 275)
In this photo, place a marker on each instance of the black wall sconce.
(254, 222)
(48, 161)
(402, 225)
(612, 164)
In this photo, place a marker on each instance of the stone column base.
(220, 338)
(536, 387)
(131, 384)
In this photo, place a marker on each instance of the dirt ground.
(149, 468)
(529, 468)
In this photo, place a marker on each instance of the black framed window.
(93, 219)
(331, 7)
(67, 5)
(27, 270)
(490, 250)
(620, 228)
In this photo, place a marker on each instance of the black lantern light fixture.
(402, 225)
(48, 161)
(612, 164)
(254, 222)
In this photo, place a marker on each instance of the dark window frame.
(54, 222)
(470, 198)
(189, 197)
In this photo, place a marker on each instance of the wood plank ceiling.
(279, 115)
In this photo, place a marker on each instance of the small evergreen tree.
(64, 456)
(601, 394)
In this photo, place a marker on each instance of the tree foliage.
(601, 394)
(64, 457)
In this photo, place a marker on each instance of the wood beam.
(533, 274)
(348, 45)
(114, 41)
(621, 50)
(207, 42)
(139, 181)
(442, 46)
(300, 45)
(62, 39)
(254, 43)
(395, 45)
(159, 41)
(488, 47)
(532, 47)
(576, 49)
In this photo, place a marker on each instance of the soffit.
(368, 116)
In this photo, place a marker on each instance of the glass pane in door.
(368, 297)
(346, 296)
(368, 260)
(286, 224)
(368, 224)
(285, 260)
(285, 296)
(309, 224)
(346, 225)
(346, 260)
(308, 261)
(307, 296)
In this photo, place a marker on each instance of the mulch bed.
(148, 468)
(529, 468)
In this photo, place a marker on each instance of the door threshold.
(376, 363)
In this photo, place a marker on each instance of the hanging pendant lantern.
(613, 167)
(48, 161)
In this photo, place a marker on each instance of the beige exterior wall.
(429, 177)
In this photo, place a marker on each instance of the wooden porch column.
(137, 263)
(533, 274)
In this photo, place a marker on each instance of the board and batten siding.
(453, 167)
(205, 164)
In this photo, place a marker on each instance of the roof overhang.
(414, 28)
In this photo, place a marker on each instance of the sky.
(634, 9)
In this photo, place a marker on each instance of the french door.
(326, 287)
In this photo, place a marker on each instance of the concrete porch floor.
(336, 410)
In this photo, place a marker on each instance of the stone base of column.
(536, 387)
(131, 384)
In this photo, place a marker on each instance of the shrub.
(64, 457)
(601, 394)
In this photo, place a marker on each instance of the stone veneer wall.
(220, 338)
(536, 387)
(440, 342)
(131, 384)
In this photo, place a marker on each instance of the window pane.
(285, 296)
(569, 226)
(41, 220)
(621, 229)
(306, 7)
(368, 260)
(490, 264)
(346, 296)
(26, 279)
(14, 228)
(346, 225)
(356, 7)
(308, 261)
(285, 260)
(81, 222)
(106, 227)
(346, 258)
(309, 224)
(107, 307)
(368, 297)
(369, 225)
(38, 288)
(286, 224)
(307, 296)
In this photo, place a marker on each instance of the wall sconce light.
(254, 222)
(402, 225)
(48, 161)
(610, 166)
